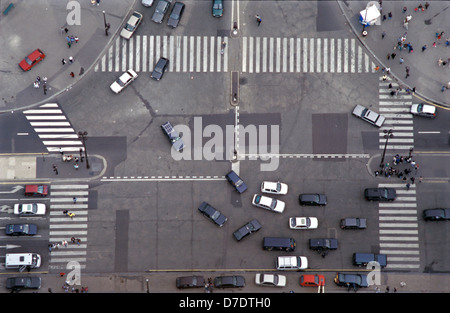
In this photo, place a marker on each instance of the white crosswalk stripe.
(398, 229)
(63, 227)
(53, 127)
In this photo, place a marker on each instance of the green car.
(217, 10)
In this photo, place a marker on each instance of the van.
(22, 261)
(292, 263)
(279, 243)
(362, 259)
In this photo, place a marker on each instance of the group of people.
(68, 158)
(411, 166)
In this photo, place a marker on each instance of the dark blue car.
(236, 182)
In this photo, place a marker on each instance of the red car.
(36, 190)
(35, 57)
(312, 280)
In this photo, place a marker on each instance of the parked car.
(275, 188)
(353, 223)
(268, 203)
(160, 11)
(368, 115)
(247, 229)
(380, 194)
(424, 110)
(160, 69)
(23, 282)
(236, 181)
(229, 282)
(32, 59)
(323, 244)
(147, 3)
(312, 199)
(36, 190)
(312, 280)
(354, 281)
(190, 282)
(362, 259)
(214, 215)
(291, 263)
(131, 25)
(176, 14)
(123, 81)
(29, 209)
(20, 230)
(217, 9)
(173, 136)
(303, 222)
(270, 280)
(436, 214)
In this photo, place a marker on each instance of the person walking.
(424, 47)
(401, 60)
(71, 59)
(258, 19)
(63, 61)
(407, 186)
(74, 200)
(72, 74)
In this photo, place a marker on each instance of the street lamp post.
(82, 135)
(387, 134)
(106, 24)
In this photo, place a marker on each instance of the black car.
(175, 14)
(229, 282)
(21, 230)
(160, 11)
(380, 194)
(190, 282)
(19, 283)
(211, 213)
(362, 259)
(436, 214)
(323, 244)
(236, 182)
(354, 281)
(312, 199)
(173, 136)
(160, 69)
(353, 223)
(247, 229)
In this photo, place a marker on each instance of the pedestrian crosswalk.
(53, 127)
(63, 227)
(258, 54)
(396, 109)
(398, 229)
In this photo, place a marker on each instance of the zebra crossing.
(53, 128)
(63, 227)
(398, 229)
(258, 54)
(396, 109)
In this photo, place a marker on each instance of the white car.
(425, 110)
(275, 188)
(29, 209)
(124, 80)
(303, 222)
(131, 25)
(268, 203)
(368, 115)
(271, 280)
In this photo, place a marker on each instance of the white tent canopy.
(369, 15)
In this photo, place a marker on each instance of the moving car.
(36, 190)
(160, 11)
(362, 259)
(20, 230)
(124, 80)
(175, 14)
(368, 115)
(131, 25)
(275, 188)
(321, 244)
(424, 110)
(312, 199)
(190, 282)
(436, 214)
(217, 9)
(29, 209)
(353, 223)
(214, 215)
(173, 136)
(312, 280)
(19, 283)
(354, 281)
(32, 59)
(268, 203)
(303, 222)
(229, 282)
(270, 280)
(291, 263)
(247, 229)
(236, 181)
(160, 69)
(380, 194)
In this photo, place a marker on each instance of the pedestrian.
(388, 70)
(61, 274)
(66, 30)
(407, 186)
(434, 44)
(387, 289)
(404, 9)
(420, 179)
(71, 60)
(427, 5)
(377, 68)
(390, 15)
(65, 212)
(55, 169)
(424, 47)
(63, 61)
(407, 72)
(78, 241)
(384, 77)
(64, 242)
(388, 56)
(93, 2)
(45, 88)
(393, 55)
(412, 180)
(72, 239)
(69, 44)
(71, 215)
(383, 34)
(74, 200)
(76, 166)
(98, 2)
(72, 74)
(76, 39)
(401, 60)
(258, 19)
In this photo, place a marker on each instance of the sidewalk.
(48, 18)
(425, 73)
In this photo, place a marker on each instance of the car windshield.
(273, 204)
(129, 27)
(215, 215)
(120, 82)
(28, 61)
(217, 6)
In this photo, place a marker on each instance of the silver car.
(368, 115)
(131, 25)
